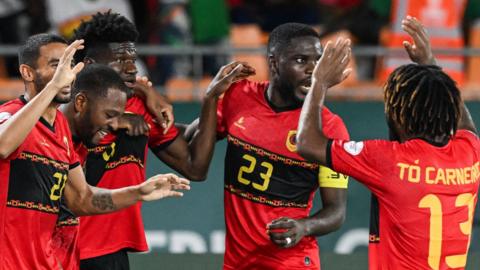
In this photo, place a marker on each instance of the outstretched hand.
(156, 103)
(162, 186)
(420, 51)
(227, 75)
(332, 69)
(65, 74)
(285, 232)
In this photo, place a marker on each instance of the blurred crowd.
(210, 22)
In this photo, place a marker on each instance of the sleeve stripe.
(164, 145)
(329, 153)
(74, 165)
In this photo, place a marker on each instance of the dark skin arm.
(420, 52)
(157, 104)
(84, 199)
(331, 69)
(326, 220)
(312, 144)
(192, 158)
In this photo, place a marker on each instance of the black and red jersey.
(426, 197)
(32, 180)
(266, 179)
(119, 161)
(65, 238)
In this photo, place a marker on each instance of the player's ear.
(27, 73)
(80, 102)
(272, 64)
(88, 61)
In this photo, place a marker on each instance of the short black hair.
(95, 79)
(103, 28)
(281, 36)
(423, 101)
(30, 51)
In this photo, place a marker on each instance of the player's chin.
(63, 98)
(301, 94)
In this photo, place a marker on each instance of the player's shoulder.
(9, 108)
(333, 125)
(135, 105)
(245, 88)
(468, 136)
(328, 115)
(12, 105)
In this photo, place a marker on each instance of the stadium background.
(183, 43)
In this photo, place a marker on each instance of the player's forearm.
(202, 143)
(311, 142)
(14, 131)
(327, 220)
(102, 201)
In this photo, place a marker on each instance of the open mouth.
(305, 86)
(130, 79)
(99, 135)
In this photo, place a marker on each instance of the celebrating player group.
(74, 148)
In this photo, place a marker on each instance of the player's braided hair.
(283, 34)
(104, 28)
(423, 100)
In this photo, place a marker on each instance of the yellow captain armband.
(331, 179)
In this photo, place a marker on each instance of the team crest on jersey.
(65, 141)
(353, 148)
(4, 116)
(291, 142)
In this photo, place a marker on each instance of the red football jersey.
(65, 238)
(119, 161)
(426, 195)
(266, 179)
(31, 186)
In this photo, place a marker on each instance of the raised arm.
(15, 129)
(84, 199)
(192, 158)
(157, 104)
(330, 70)
(420, 52)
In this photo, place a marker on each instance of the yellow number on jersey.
(106, 156)
(59, 186)
(436, 215)
(250, 168)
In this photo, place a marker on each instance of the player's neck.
(68, 111)
(277, 100)
(50, 113)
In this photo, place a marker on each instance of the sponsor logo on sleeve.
(353, 148)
